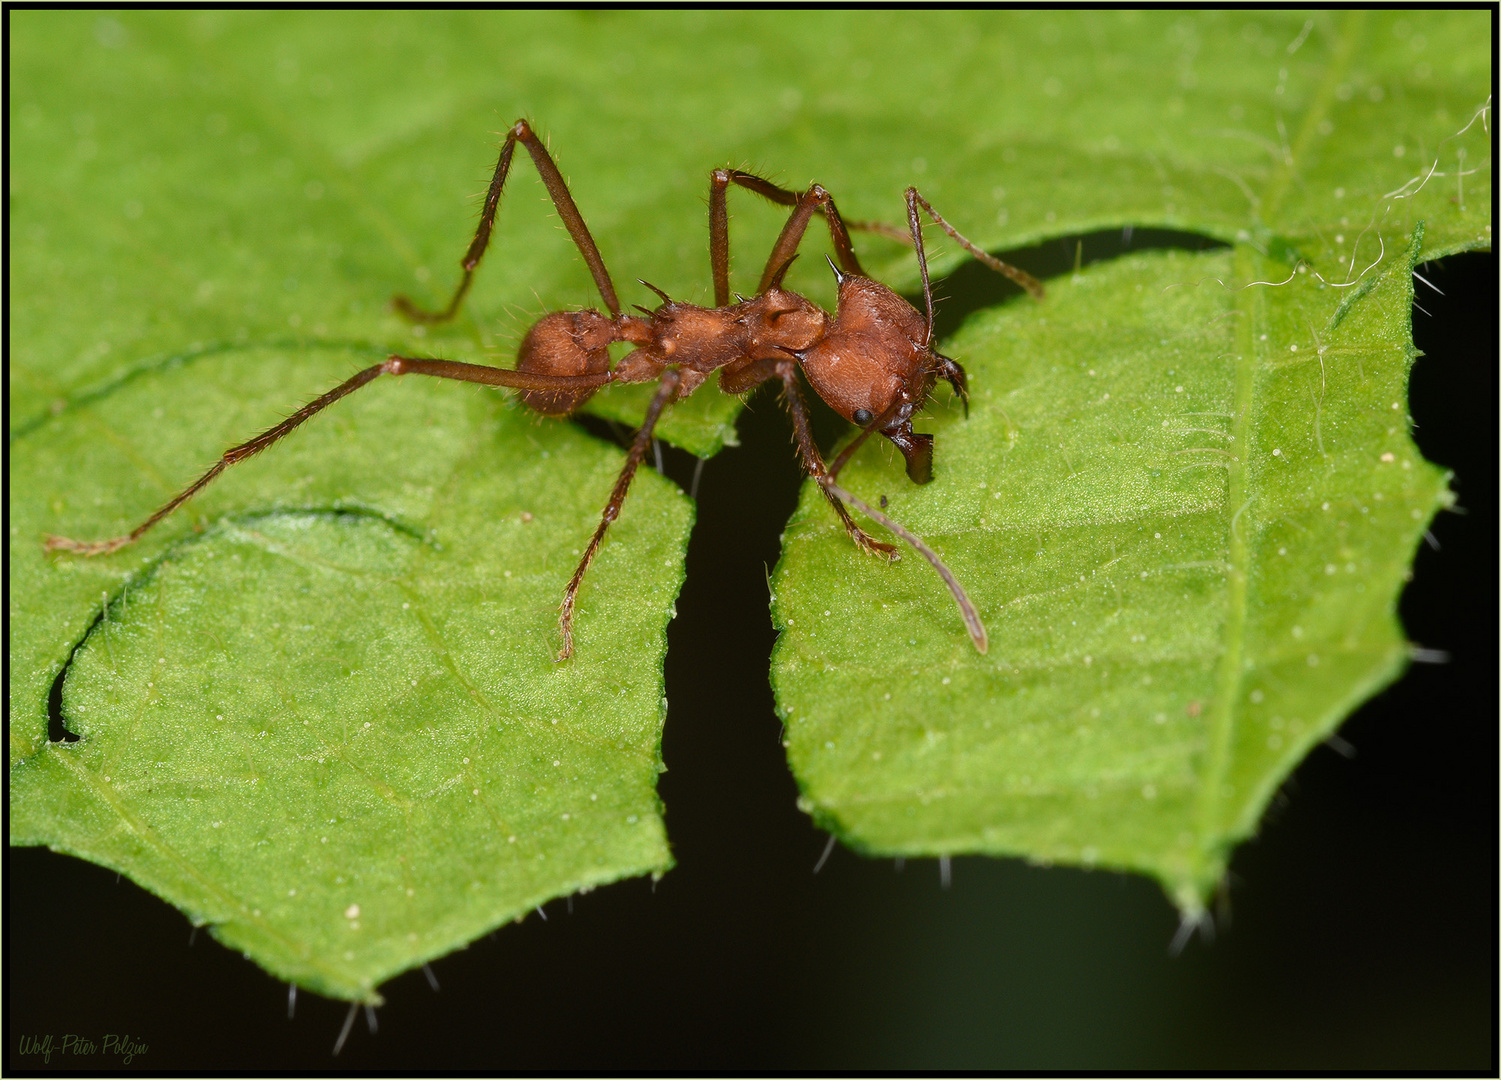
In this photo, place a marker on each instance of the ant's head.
(876, 366)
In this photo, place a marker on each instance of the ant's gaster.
(873, 361)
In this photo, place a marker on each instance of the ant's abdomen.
(564, 343)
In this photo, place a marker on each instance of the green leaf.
(210, 212)
(1185, 499)
(330, 723)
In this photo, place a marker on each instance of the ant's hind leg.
(231, 456)
(567, 209)
(393, 365)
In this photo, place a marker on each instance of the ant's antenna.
(967, 610)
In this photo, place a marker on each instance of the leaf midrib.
(1238, 499)
(1238, 496)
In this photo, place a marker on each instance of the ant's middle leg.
(667, 390)
(815, 198)
(567, 209)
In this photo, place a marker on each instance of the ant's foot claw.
(84, 547)
(412, 313)
(876, 547)
(565, 630)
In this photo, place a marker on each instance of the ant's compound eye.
(863, 416)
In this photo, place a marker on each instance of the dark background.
(1361, 924)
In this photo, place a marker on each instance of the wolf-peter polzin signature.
(44, 1046)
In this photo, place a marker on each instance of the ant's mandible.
(873, 362)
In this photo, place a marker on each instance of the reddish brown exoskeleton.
(873, 361)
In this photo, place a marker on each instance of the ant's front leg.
(813, 461)
(838, 496)
(567, 209)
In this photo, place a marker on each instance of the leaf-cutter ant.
(873, 361)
